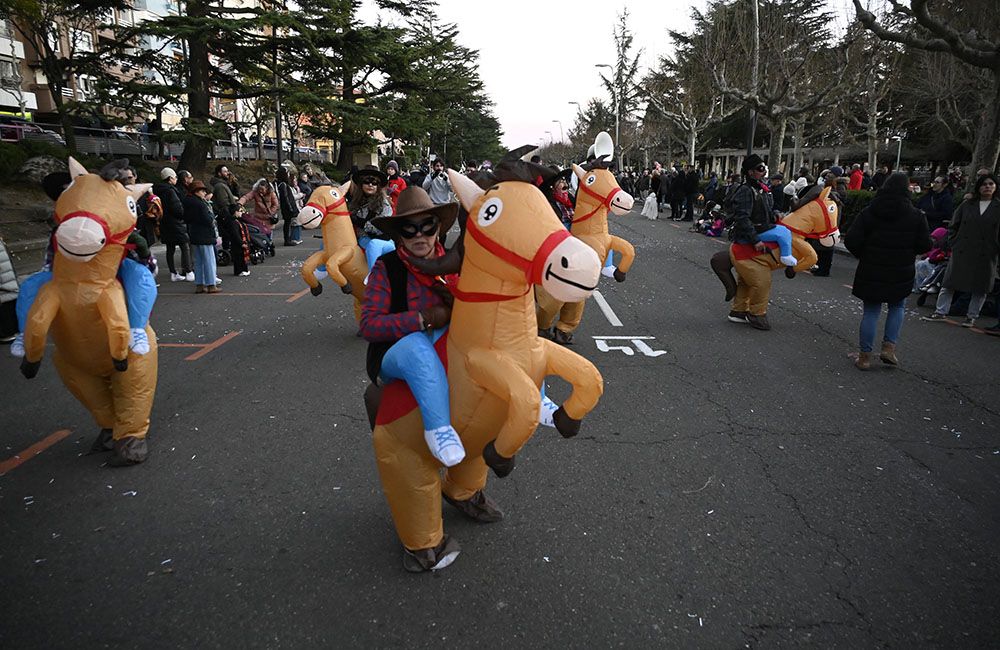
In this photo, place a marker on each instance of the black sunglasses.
(427, 227)
(369, 181)
(760, 168)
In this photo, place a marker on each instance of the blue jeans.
(414, 360)
(137, 281)
(204, 264)
(778, 235)
(869, 324)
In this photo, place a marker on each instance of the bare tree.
(964, 34)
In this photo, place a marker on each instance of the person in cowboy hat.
(406, 311)
(753, 208)
(367, 201)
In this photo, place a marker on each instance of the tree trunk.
(692, 143)
(987, 149)
(56, 86)
(777, 142)
(196, 143)
(872, 136)
(797, 136)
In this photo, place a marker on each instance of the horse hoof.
(619, 276)
(121, 365)
(789, 272)
(347, 288)
(318, 289)
(565, 425)
(129, 451)
(103, 442)
(501, 465)
(30, 368)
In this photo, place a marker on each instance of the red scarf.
(563, 198)
(450, 280)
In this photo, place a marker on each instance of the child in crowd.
(937, 256)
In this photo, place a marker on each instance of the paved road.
(737, 488)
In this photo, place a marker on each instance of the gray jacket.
(438, 187)
(975, 244)
(8, 276)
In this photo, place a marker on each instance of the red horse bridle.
(830, 228)
(118, 238)
(328, 210)
(603, 201)
(533, 268)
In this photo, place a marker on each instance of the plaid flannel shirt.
(377, 324)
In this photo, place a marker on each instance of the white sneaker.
(140, 342)
(17, 345)
(218, 281)
(445, 445)
(546, 413)
(244, 274)
(177, 277)
(789, 260)
(190, 276)
(608, 271)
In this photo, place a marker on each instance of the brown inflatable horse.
(495, 361)
(83, 306)
(750, 291)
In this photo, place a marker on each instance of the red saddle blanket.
(747, 251)
(397, 399)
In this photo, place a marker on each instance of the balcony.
(7, 42)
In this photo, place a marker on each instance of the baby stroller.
(932, 285)
(261, 245)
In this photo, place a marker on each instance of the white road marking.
(606, 308)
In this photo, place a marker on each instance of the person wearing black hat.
(368, 201)
(754, 223)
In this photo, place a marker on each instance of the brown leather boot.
(888, 354)
(864, 361)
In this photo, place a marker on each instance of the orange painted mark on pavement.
(33, 450)
(180, 345)
(298, 295)
(213, 345)
(231, 293)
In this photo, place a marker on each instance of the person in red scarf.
(406, 311)
(556, 190)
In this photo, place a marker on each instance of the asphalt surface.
(741, 489)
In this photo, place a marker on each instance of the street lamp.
(562, 136)
(550, 137)
(899, 150)
(614, 95)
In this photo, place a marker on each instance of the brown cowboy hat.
(195, 186)
(414, 201)
(370, 170)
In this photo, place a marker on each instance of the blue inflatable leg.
(414, 360)
(140, 292)
(778, 235)
(376, 248)
(26, 296)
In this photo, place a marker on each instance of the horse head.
(93, 214)
(325, 203)
(599, 193)
(512, 234)
(817, 219)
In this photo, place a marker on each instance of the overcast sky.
(536, 56)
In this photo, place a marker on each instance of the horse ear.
(345, 188)
(825, 193)
(75, 168)
(466, 189)
(138, 189)
(579, 171)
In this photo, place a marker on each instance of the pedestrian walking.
(886, 237)
(974, 233)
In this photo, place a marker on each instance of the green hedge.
(12, 157)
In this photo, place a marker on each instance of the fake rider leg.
(414, 360)
(781, 236)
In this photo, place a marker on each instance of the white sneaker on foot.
(547, 412)
(190, 276)
(789, 260)
(17, 345)
(608, 271)
(244, 274)
(140, 342)
(218, 281)
(445, 445)
(176, 277)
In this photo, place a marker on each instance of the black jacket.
(691, 180)
(286, 200)
(886, 237)
(200, 221)
(752, 210)
(172, 228)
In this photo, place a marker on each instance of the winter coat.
(753, 212)
(691, 180)
(172, 228)
(937, 207)
(261, 208)
(286, 199)
(395, 185)
(856, 177)
(887, 237)
(975, 243)
(8, 276)
(223, 199)
(438, 187)
(200, 221)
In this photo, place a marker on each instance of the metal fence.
(110, 143)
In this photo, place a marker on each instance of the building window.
(7, 72)
(83, 41)
(55, 41)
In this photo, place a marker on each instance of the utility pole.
(277, 98)
(754, 76)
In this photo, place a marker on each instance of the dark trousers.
(185, 257)
(676, 207)
(8, 319)
(691, 200)
(825, 256)
(233, 240)
(147, 228)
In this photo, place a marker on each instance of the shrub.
(11, 158)
(41, 148)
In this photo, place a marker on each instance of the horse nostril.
(565, 263)
(102, 240)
